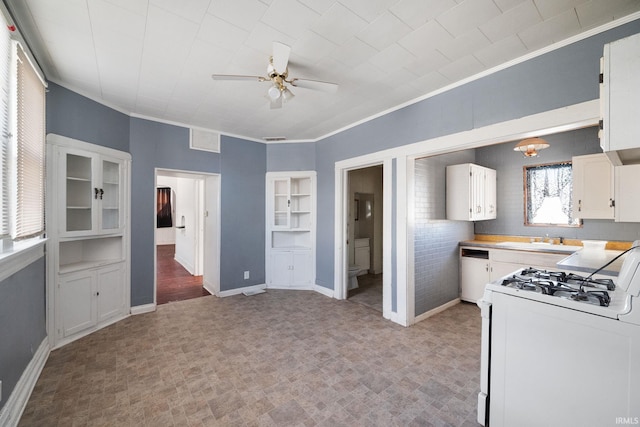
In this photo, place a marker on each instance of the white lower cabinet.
(479, 266)
(474, 275)
(90, 298)
(291, 269)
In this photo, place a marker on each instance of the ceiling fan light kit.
(277, 73)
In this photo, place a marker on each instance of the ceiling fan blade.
(280, 56)
(315, 84)
(237, 77)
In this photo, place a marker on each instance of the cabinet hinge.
(601, 124)
(601, 78)
(612, 203)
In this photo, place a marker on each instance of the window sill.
(21, 255)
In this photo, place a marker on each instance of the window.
(22, 127)
(547, 195)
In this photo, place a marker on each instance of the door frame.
(202, 180)
(341, 259)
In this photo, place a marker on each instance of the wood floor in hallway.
(174, 282)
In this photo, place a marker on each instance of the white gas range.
(561, 349)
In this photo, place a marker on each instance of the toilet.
(354, 270)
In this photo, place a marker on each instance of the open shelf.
(87, 253)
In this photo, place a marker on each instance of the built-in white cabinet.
(620, 95)
(604, 191)
(290, 228)
(88, 261)
(91, 192)
(593, 189)
(470, 192)
(627, 191)
(89, 298)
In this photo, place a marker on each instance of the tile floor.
(368, 292)
(281, 358)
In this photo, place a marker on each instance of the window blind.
(30, 130)
(5, 137)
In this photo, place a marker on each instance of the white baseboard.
(209, 287)
(395, 318)
(324, 291)
(141, 309)
(13, 409)
(436, 310)
(183, 262)
(231, 292)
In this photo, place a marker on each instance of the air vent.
(274, 138)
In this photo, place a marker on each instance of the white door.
(77, 302)
(211, 237)
(110, 291)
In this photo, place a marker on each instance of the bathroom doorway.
(364, 244)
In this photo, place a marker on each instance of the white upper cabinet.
(91, 193)
(593, 191)
(471, 192)
(620, 95)
(627, 190)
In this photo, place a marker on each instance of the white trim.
(404, 289)
(410, 241)
(13, 409)
(142, 309)
(231, 292)
(324, 291)
(436, 310)
(212, 288)
(23, 253)
(341, 257)
(387, 224)
(63, 141)
(187, 265)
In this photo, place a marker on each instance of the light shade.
(530, 146)
(274, 93)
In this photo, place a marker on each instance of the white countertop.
(590, 261)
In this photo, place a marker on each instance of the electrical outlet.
(246, 275)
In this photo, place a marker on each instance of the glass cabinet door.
(79, 193)
(281, 203)
(109, 195)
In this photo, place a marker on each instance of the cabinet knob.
(612, 203)
(95, 193)
(101, 193)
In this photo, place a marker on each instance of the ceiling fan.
(278, 74)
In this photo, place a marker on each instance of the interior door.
(211, 255)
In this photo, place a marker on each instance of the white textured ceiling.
(154, 58)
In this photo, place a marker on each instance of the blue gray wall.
(78, 117)
(509, 164)
(22, 323)
(435, 238)
(291, 157)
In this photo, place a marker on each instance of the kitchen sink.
(540, 246)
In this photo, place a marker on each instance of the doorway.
(365, 242)
(187, 235)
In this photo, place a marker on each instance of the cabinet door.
(500, 269)
(110, 293)
(477, 192)
(78, 192)
(279, 203)
(627, 183)
(474, 275)
(77, 302)
(490, 195)
(621, 70)
(111, 196)
(281, 265)
(592, 187)
(302, 270)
